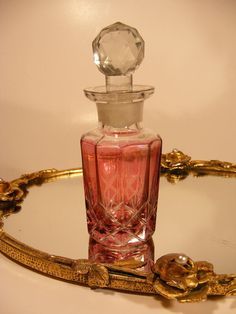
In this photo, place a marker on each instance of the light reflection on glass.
(143, 252)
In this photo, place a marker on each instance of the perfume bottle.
(121, 160)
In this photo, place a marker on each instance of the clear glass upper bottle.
(121, 160)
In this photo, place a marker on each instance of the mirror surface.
(196, 216)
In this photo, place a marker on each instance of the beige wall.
(46, 61)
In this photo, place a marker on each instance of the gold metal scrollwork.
(173, 276)
(177, 166)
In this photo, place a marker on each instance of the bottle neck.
(118, 115)
(120, 110)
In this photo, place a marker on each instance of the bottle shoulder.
(92, 135)
(100, 137)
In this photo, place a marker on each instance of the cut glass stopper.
(118, 50)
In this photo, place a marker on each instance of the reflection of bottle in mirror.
(142, 253)
(121, 160)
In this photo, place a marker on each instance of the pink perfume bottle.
(121, 160)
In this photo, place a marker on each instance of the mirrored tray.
(196, 215)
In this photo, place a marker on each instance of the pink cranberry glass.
(121, 175)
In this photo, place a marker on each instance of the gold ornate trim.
(173, 276)
(177, 166)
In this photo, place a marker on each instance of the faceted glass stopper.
(118, 50)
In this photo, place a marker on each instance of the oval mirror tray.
(196, 215)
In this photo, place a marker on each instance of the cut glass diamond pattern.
(125, 192)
